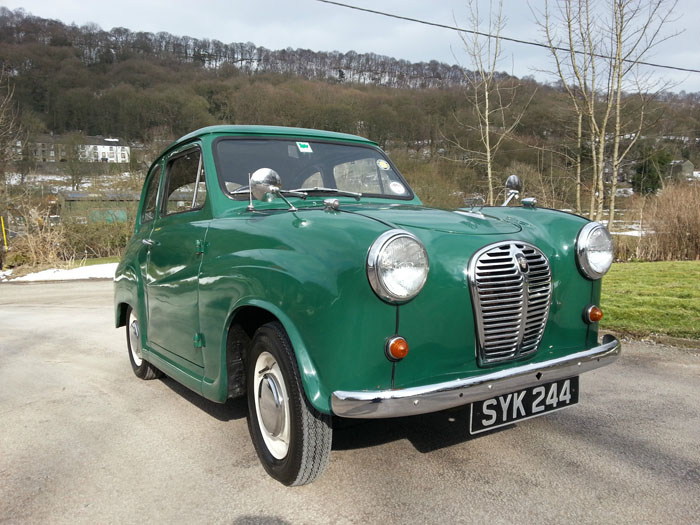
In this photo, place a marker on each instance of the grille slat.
(502, 305)
(511, 305)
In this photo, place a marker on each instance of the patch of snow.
(5, 275)
(97, 271)
(631, 233)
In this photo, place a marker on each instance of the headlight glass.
(397, 266)
(594, 250)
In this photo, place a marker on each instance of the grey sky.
(277, 24)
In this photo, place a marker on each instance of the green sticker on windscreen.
(304, 147)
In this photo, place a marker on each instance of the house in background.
(625, 171)
(680, 169)
(57, 148)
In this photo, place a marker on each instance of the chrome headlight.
(594, 250)
(397, 266)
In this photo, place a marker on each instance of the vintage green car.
(298, 267)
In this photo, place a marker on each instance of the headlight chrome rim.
(373, 275)
(582, 247)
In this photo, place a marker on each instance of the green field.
(653, 298)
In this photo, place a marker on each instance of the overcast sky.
(278, 24)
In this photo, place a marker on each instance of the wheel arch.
(240, 327)
(126, 294)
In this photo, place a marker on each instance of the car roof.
(272, 131)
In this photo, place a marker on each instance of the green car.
(297, 267)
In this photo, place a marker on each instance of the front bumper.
(450, 394)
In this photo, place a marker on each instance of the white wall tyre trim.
(134, 339)
(272, 405)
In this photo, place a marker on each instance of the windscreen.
(307, 165)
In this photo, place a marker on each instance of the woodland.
(148, 89)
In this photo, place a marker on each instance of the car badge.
(522, 262)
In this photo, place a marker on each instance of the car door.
(141, 239)
(176, 248)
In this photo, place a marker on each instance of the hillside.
(152, 88)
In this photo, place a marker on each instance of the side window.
(148, 212)
(184, 184)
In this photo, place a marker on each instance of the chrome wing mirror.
(264, 186)
(513, 186)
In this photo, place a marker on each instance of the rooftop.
(273, 131)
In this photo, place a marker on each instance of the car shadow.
(426, 432)
(231, 410)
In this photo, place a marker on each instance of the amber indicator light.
(595, 314)
(397, 348)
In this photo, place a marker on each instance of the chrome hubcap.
(271, 405)
(135, 340)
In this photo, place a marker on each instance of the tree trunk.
(487, 142)
(579, 133)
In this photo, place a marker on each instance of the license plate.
(523, 404)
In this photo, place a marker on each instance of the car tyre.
(292, 438)
(142, 368)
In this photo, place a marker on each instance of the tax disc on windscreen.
(383, 165)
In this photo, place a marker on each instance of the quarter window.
(185, 186)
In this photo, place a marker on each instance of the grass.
(653, 298)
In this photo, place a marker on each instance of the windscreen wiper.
(292, 193)
(334, 191)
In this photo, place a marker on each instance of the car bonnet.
(464, 221)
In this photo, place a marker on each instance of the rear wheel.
(291, 438)
(139, 365)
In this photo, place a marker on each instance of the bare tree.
(9, 126)
(490, 96)
(9, 132)
(596, 47)
(76, 166)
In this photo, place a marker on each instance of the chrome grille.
(511, 299)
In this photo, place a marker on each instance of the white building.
(57, 148)
(99, 149)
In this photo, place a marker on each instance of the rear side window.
(184, 185)
(149, 201)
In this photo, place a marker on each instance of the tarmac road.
(83, 440)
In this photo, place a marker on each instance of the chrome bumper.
(450, 394)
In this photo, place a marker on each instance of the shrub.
(439, 183)
(676, 221)
(672, 224)
(95, 239)
(40, 245)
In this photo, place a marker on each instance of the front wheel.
(291, 438)
(139, 365)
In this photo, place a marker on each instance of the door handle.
(148, 242)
